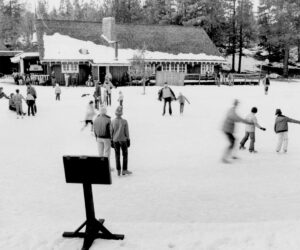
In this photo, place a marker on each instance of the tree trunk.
(241, 39)
(233, 38)
(286, 61)
(298, 50)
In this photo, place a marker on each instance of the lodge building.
(80, 48)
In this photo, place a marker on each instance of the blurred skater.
(250, 131)
(228, 129)
(181, 99)
(89, 115)
(2, 94)
(97, 95)
(281, 129)
(30, 104)
(31, 90)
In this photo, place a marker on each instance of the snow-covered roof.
(59, 47)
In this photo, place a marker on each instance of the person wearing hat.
(168, 95)
(228, 128)
(102, 126)
(281, 129)
(250, 131)
(120, 141)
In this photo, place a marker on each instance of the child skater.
(90, 113)
(181, 99)
(121, 98)
(57, 92)
(18, 102)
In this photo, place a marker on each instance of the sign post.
(89, 170)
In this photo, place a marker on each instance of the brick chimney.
(109, 33)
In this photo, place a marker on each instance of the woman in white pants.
(281, 128)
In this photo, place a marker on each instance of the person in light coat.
(228, 128)
(281, 129)
(89, 115)
(250, 131)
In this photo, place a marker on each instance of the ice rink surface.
(180, 195)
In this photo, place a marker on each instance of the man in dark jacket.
(168, 95)
(102, 125)
(281, 128)
(31, 90)
(120, 141)
(97, 95)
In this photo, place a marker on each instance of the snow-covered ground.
(180, 195)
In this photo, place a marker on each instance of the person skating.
(228, 128)
(97, 95)
(102, 126)
(30, 104)
(11, 103)
(250, 131)
(89, 115)
(121, 98)
(120, 141)
(281, 129)
(108, 86)
(181, 99)
(2, 94)
(266, 83)
(57, 91)
(31, 90)
(168, 95)
(18, 102)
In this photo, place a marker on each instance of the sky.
(31, 3)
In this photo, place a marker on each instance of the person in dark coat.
(97, 95)
(120, 141)
(281, 129)
(266, 83)
(167, 94)
(31, 90)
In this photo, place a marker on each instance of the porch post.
(22, 66)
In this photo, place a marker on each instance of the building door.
(102, 73)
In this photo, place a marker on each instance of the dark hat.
(254, 110)
(119, 111)
(278, 112)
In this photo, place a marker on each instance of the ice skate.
(242, 147)
(126, 172)
(253, 151)
(119, 172)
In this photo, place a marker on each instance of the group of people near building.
(16, 101)
(280, 128)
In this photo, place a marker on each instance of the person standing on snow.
(250, 131)
(18, 102)
(121, 98)
(31, 90)
(102, 126)
(97, 95)
(168, 95)
(281, 129)
(57, 92)
(228, 129)
(120, 141)
(181, 99)
(108, 86)
(266, 83)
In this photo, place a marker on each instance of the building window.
(181, 67)
(165, 67)
(70, 68)
(173, 67)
